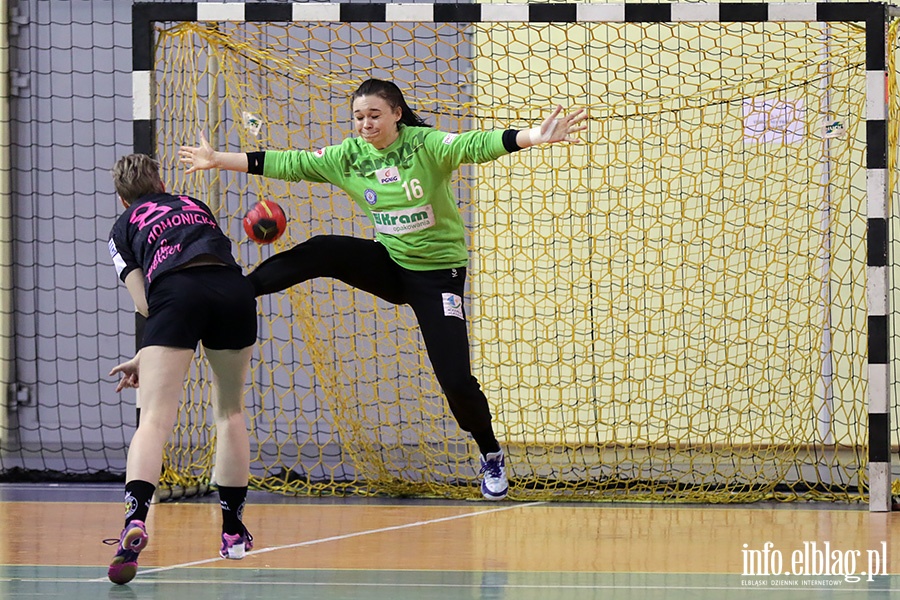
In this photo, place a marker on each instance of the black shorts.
(210, 304)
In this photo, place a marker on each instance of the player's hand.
(129, 370)
(557, 128)
(200, 158)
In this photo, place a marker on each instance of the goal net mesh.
(673, 310)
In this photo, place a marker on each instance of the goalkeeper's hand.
(199, 158)
(558, 129)
(203, 157)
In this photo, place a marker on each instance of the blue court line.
(271, 584)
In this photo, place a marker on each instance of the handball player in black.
(178, 267)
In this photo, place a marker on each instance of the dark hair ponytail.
(390, 93)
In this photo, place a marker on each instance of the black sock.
(232, 500)
(486, 441)
(138, 495)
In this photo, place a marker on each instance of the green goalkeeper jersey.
(404, 189)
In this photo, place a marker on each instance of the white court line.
(336, 538)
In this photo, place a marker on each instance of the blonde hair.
(136, 175)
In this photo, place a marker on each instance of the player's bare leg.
(230, 369)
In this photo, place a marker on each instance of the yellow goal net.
(674, 310)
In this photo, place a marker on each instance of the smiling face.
(375, 120)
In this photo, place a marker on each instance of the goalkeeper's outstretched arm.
(554, 129)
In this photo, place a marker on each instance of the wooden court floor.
(51, 547)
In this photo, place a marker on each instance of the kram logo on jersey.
(398, 222)
(388, 175)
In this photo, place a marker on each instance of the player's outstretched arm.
(554, 129)
(203, 157)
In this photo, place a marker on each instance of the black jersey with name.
(161, 232)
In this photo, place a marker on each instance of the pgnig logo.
(814, 559)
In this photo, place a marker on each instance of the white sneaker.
(494, 486)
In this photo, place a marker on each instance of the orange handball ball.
(265, 222)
